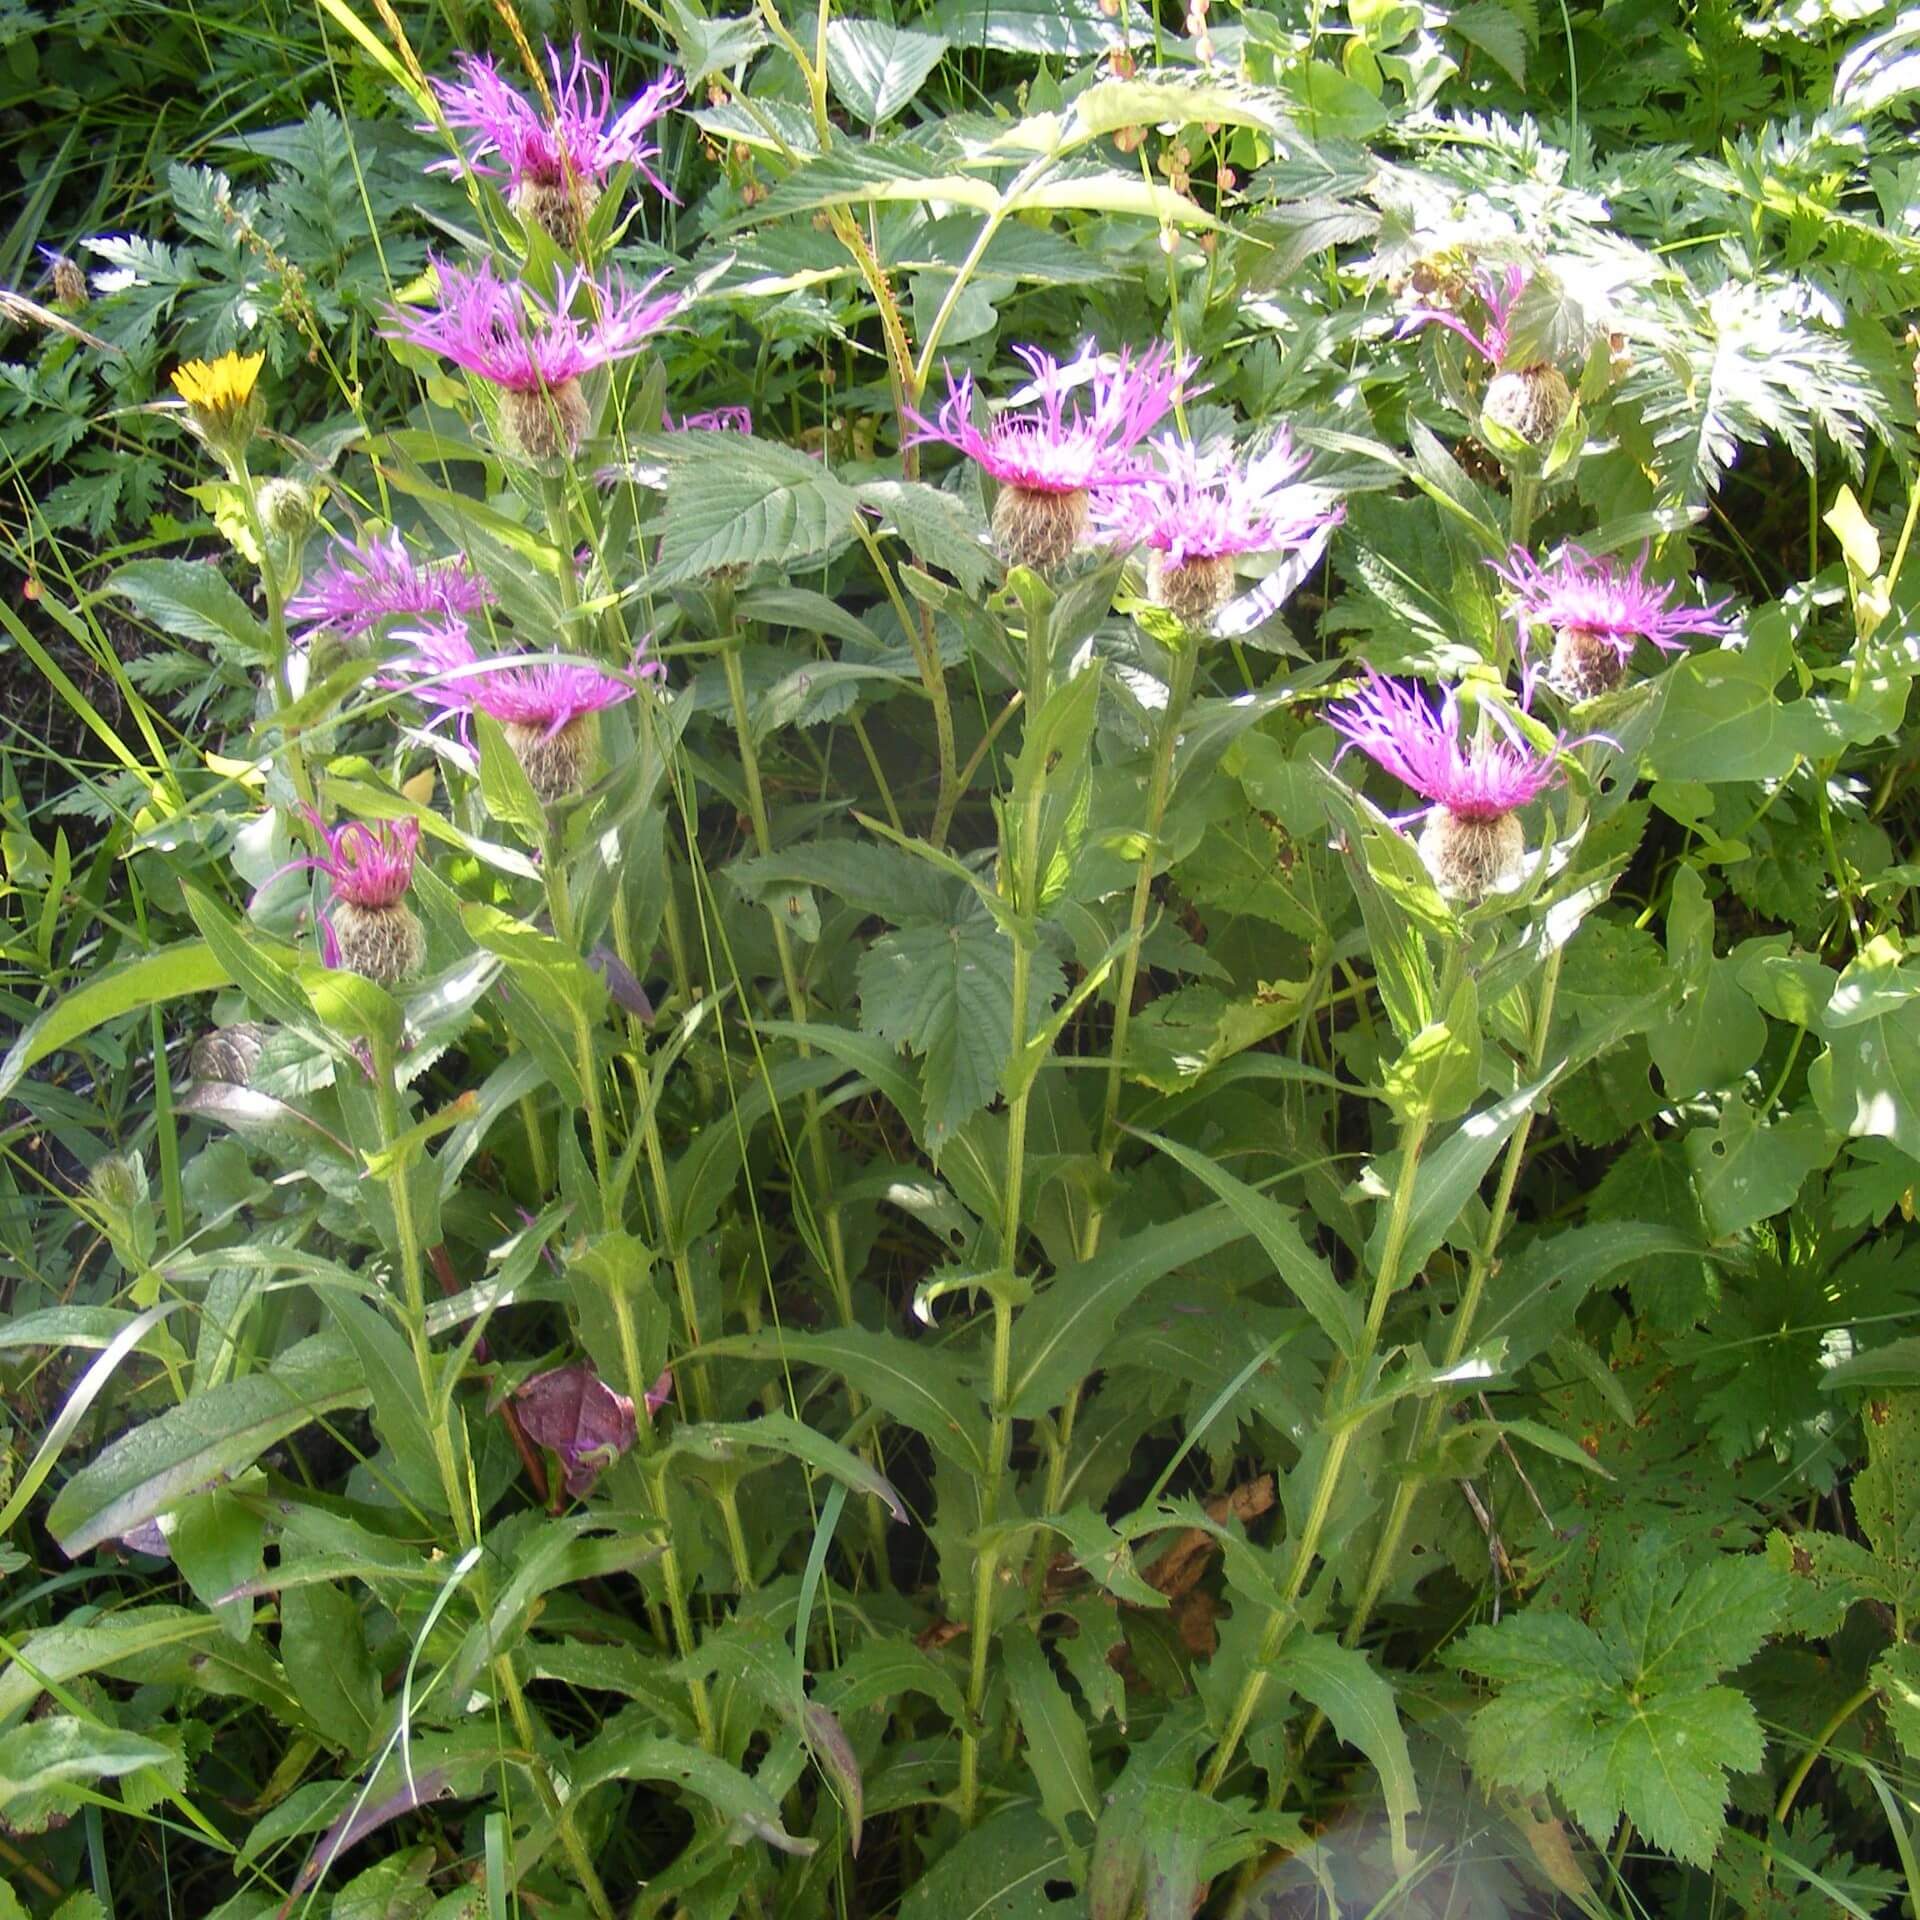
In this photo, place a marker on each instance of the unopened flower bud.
(1531, 404)
(288, 507)
(69, 281)
(117, 1183)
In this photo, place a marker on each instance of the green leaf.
(191, 598)
(505, 791)
(58, 1654)
(216, 1432)
(45, 1752)
(1061, 28)
(1438, 1072)
(946, 993)
(780, 1433)
(1867, 1083)
(1056, 1746)
(754, 504)
(323, 1650)
(1493, 28)
(400, 1415)
(1746, 1170)
(1058, 1340)
(619, 1754)
(1721, 721)
(188, 967)
(876, 69)
(1359, 1703)
(1277, 1229)
(999, 1871)
(939, 529)
(913, 1381)
(216, 1540)
(1627, 1716)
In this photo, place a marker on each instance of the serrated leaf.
(876, 69)
(760, 504)
(1056, 1742)
(945, 992)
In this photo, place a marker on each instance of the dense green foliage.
(940, 1264)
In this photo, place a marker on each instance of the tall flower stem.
(836, 1246)
(271, 585)
(1024, 869)
(1484, 1256)
(439, 1428)
(1347, 1422)
(1159, 792)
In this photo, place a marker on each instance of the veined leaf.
(876, 69)
(760, 503)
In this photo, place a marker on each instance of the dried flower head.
(68, 278)
(555, 169)
(223, 399)
(1596, 609)
(532, 351)
(362, 585)
(1199, 509)
(1056, 443)
(1472, 841)
(574, 1412)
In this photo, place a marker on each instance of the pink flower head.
(369, 866)
(1498, 299)
(1063, 442)
(437, 649)
(498, 329)
(584, 141)
(548, 699)
(1211, 505)
(369, 870)
(718, 420)
(361, 585)
(1484, 779)
(1603, 599)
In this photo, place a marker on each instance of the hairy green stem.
(1484, 1256)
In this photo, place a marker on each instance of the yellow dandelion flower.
(221, 386)
(222, 397)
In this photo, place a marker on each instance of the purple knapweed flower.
(1472, 842)
(575, 1413)
(1530, 403)
(555, 170)
(1200, 509)
(367, 926)
(1596, 609)
(715, 420)
(361, 585)
(1051, 451)
(546, 713)
(533, 352)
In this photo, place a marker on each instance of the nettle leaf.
(749, 504)
(1628, 1716)
(945, 992)
(876, 69)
